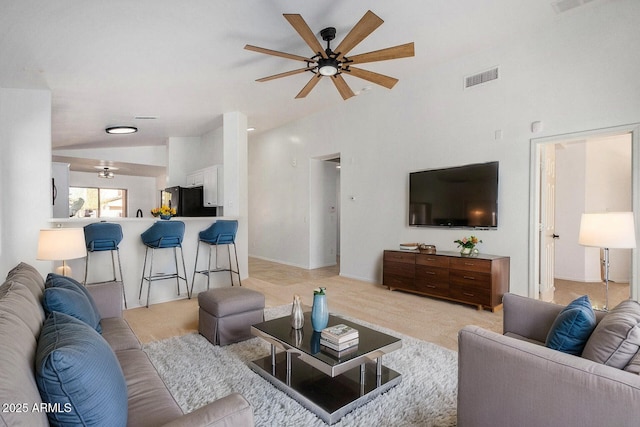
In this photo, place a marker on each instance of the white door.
(547, 220)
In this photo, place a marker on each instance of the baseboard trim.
(279, 261)
(362, 279)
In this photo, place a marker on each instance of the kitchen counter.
(149, 219)
(132, 256)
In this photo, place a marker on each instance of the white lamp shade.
(61, 244)
(607, 230)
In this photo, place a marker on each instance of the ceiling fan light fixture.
(105, 173)
(121, 130)
(328, 66)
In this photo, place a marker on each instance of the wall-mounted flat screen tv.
(463, 196)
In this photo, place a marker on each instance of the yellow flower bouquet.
(163, 212)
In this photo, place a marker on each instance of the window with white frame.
(91, 202)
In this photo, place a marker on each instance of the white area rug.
(197, 373)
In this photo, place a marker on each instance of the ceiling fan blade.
(367, 24)
(299, 24)
(400, 51)
(276, 53)
(379, 79)
(309, 86)
(285, 74)
(342, 86)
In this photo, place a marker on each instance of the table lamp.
(61, 244)
(607, 230)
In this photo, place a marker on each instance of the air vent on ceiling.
(480, 78)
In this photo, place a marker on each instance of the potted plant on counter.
(164, 212)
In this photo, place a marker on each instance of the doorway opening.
(324, 211)
(594, 171)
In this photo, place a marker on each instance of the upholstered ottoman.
(226, 314)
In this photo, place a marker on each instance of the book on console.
(339, 333)
(339, 353)
(339, 346)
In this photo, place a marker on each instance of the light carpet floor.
(197, 373)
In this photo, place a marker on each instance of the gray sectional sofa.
(143, 399)
(515, 380)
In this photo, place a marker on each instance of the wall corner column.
(236, 189)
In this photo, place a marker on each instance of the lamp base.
(64, 270)
(605, 263)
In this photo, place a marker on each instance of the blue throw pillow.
(572, 327)
(80, 304)
(71, 302)
(79, 375)
(54, 280)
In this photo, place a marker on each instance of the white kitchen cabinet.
(212, 186)
(60, 189)
(195, 178)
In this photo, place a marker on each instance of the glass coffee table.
(327, 385)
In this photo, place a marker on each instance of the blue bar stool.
(220, 233)
(162, 235)
(101, 237)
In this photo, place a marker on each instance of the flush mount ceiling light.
(121, 130)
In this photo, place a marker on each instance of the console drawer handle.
(431, 286)
(430, 272)
(469, 277)
(468, 294)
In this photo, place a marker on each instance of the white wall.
(235, 153)
(181, 155)
(188, 154)
(577, 74)
(141, 191)
(155, 155)
(278, 198)
(25, 175)
(211, 148)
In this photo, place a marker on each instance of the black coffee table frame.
(328, 386)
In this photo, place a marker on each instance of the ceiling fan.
(335, 64)
(106, 171)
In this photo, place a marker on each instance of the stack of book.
(339, 340)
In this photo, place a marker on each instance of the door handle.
(54, 190)
(555, 236)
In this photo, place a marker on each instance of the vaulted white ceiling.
(183, 62)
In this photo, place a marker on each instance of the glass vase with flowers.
(467, 245)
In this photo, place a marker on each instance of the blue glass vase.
(319, 313)
(314, 344)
